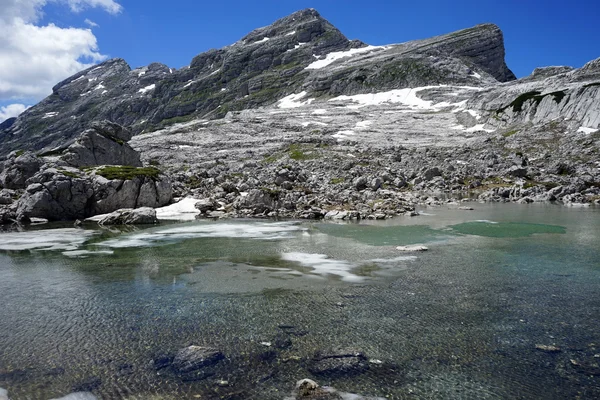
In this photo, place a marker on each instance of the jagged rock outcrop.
(96, 174)
(103, 144)
(19, 167)
(261, 68)
(62, 194)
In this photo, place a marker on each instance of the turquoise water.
(89, 309)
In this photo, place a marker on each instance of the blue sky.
(537, 33)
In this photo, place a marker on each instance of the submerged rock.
(195, 357)
(338, 362)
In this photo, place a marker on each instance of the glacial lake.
(504, 304)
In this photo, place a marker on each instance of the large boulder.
(64, 195)
(130, 216)
(103, 144)
(19, 167)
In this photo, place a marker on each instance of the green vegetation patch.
(126, 172)
(335, 181)
(510, 133)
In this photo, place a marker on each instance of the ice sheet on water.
(47, 239)
(249, 230)
(322, 265)
(86, 253)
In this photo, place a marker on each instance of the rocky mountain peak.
(302, 52)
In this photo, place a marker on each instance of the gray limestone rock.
(195, 357)
(130, 216)
(103, 144)
(19, 167)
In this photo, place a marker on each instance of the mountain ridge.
(264, 66)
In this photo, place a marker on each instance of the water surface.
(89, 309)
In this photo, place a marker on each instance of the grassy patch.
(68, 173)
(127, 172)
(510, 133)
(20, 153)
(335, 181)
(299, 153)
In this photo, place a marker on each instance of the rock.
(130, 216)
(360, 183)
(162, 361)
(205, 205)
(3, 394)
(517, 172)
(338, 362)
(336, 214)
(195, 357)
(414, 247)
(56, 196)
(258, 200)
(548, 348)
(7, 196)
(103, 144)
(306, 387)
(431, 173)
(375, 183)
(19, 167)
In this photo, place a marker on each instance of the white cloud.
(90, 23)
(78, 5)
(11, 110)
(34, 58)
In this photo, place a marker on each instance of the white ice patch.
(363, 124)
(183, 210)
(343, 135)
(189, 83)
(290, 33)
(585, 130)
(292, 101)
(261, 40)
(99, 86)
(78, 79)
(47, 239)
(320, 111)
(147, 88)
(258, 231)
(215, 72)
(476, 75)
(337, 55)
(324, 266)
(305, 124)
(407, 96)
(50, 114)
(479, 127)
(486, 221)
(86, 253)
(93, 79)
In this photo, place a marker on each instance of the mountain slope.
(302, 51)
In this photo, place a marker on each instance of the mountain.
(296, 120)
(298, 52)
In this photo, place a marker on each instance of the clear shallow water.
(90, 310)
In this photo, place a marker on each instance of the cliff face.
(302, 51)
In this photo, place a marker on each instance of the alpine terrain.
(296, 120)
